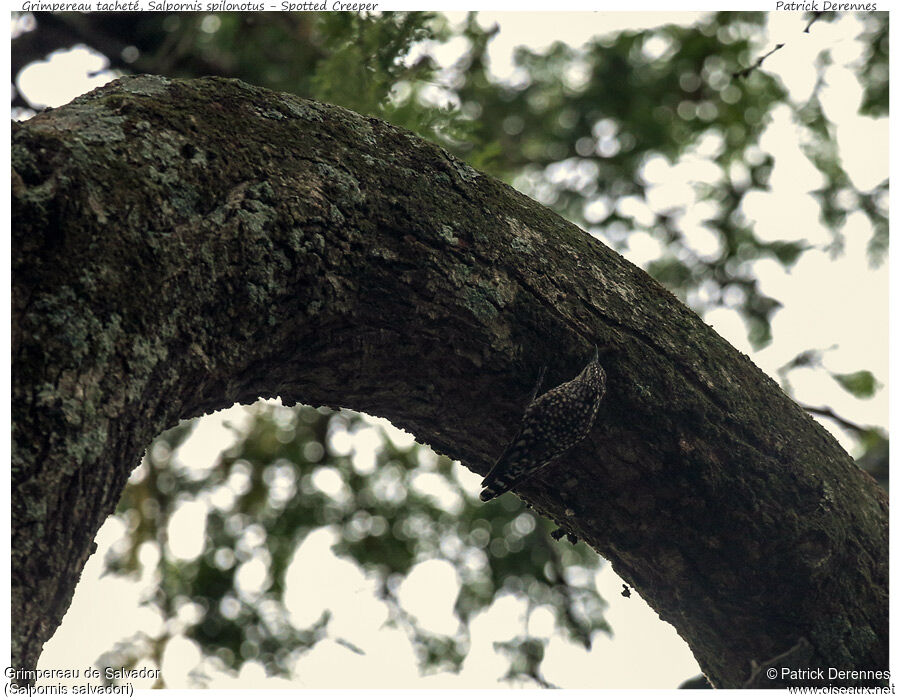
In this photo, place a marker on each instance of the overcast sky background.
(828, 302)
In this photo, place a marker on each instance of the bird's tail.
(494, 484)
(489, 492)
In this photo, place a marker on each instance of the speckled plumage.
(553, 422)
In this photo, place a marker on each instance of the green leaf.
(787, 252)
(861, 384)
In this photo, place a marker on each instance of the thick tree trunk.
(179, 246)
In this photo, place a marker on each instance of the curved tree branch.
(179, 246)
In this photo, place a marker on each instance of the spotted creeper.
(553, 422)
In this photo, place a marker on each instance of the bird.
(553, 422)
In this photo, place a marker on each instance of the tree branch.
(179, 246)
(827, 412)
(756, 64)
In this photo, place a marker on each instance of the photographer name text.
(826, 6)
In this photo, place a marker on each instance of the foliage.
(580, 127)
(874, 69)
(861, 384)
(292, 471)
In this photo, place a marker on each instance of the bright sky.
(817, 313)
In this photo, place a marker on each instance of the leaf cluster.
(392, 506)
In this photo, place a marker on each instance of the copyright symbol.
(772, 674)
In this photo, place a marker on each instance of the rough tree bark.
(179, 246)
